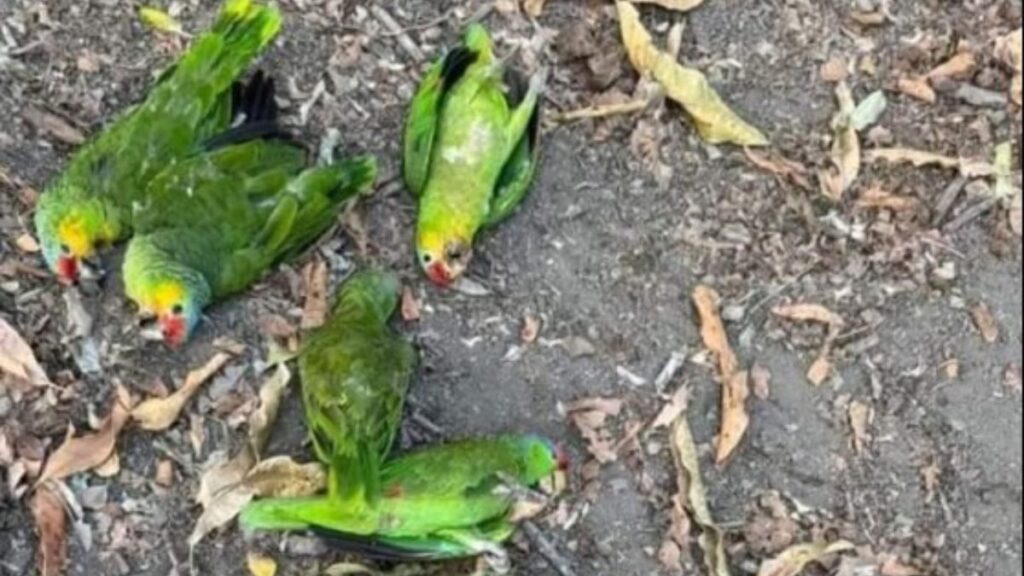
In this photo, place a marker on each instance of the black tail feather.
(254, 112)
(370, 548)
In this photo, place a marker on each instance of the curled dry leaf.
(958, 66)
(675, 408)
(694, 498)
(158, 414)
(846, 152)
(314, 313)
(917, 88)
(51, 527)
(809, 313)
(17, 359)
(680, 5)
(411, 307)
(860, 419)
(985, 322)
(921, 158)
(780, 166)
(589, 416)
(793, 561)
(715, 122)
(82, 453)
(735, 384)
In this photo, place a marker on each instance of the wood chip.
(314, 312)
(917, 88)
(986, 323)
(820, 370)
(860, 418)
(835, 70)
(411, 307)
(957, 67)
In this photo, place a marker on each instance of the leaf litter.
(793, 561)
(158, 414)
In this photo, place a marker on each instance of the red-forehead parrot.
(441, 502)
(470, 151)
(197, 98)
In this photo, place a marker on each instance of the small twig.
(948, 198)
(547, 549)
(976, 211)
(602, 111)
(404, 40)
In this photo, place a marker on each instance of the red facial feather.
(67, 269)
(438, 274)
(173, 329)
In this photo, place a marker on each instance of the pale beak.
(91, 269)
(152, 333)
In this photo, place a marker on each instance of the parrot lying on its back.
(90, 204)
(470, 151)
(355, 375)
(212, 225)
(449, 501)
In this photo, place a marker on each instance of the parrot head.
(68, 237)
(543, 458)
(170, 305)
(444, 258)
(372, 291)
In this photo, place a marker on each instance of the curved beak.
(67, 270)
(439, 274)
(91, 269)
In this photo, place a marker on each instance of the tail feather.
(255, 114)
(393, 549)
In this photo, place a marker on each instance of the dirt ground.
(627, 217)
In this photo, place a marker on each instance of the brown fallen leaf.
(589, 416)
(530, 330)
(260, 565)
(715, 122)
(411, 307)
(314, 313)
(917, 88)
(164, 473)
(50, 526)
(986, 323)
(820, 370)
(921, 158)
(712, 331)
(54, 125)
(860, 419)
(846, 151)
(760, 381)
(680, 5)
(958, 66)
(735, 419)
(17, 359)
(693, 497)
(158, 414)
(110, 467)
(534, 8)
(809, 313)
(793, 561)
(780, 166)
(673, 409)
(876, 198)
(82, 453)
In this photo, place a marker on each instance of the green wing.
(425, 112)
(518, 173)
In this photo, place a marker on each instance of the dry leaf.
(530, 331)
(349, 569)
(846, 152)
(694, 498)
(534, 8)
(985, 322)
(1005, 188)
(1015, 214)
(809, 313)
(673, 409)
(819, 370)
(91, 450)
(27, 243)
(158, 414)
(715, 122)
(54, 125)
(603, 111)
(314, 313)
(893, 567)
(793, 561)
(1008, 49)
(917, 88)
(930, 476)
(878, 198)
(411, 307)
(110, 467)
(680, 5)
(860, 418)
(920, 158)
(712, 330)
(260, 565)
(17, 359)
(160, 21)
(164, 473)
(50, 525)
(956, 67)
(780, 166)
(735, 419)
(760, 380)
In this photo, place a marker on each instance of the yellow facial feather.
(72, 233)
(163, 297)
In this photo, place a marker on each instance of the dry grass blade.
(715, 122)
(793, 560)
(82, 453)
(17, 358)
(712, 330)
(314, 313)
(158, 414)
(691, 488)
(679, 5)
(603, 111)
(51, 527)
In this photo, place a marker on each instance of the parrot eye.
(177, 310)
(427, 258)
(455, 254)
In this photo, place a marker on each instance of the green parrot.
(196, 99)
(355, 374)
(442, 502)
(211, 225)
(470, 151)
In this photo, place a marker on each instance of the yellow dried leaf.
(735, 419)
(680, 5)
(260, 565)
(159, 20)
(715, 122)
(160, 413)
(793, 561)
